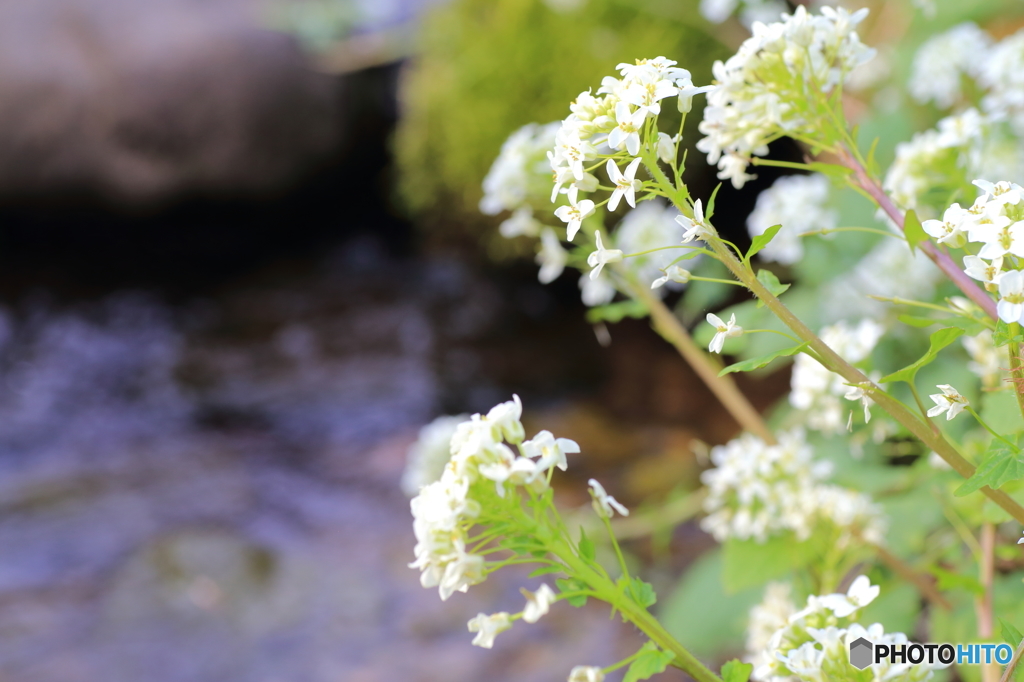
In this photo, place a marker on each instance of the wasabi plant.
(853, 488)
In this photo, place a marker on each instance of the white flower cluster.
(987, 361)
(762, 90)
(812, 646)
(651, 225)
(444, 510)
(517, 178)
(798, 203)
(1002, 73)
(817, 391)
(609, 122)
(767, 618)
(996, 221)
(757, 489)
(429, 455)
(943, 60)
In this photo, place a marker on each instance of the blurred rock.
(143, 100)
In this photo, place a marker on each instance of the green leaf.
(615, 312)
(650, 661)
(762, 240)
(736, 671)
(947, 580)
(939, 340)
(1006, 333)
(544, 570)
(758, 363)
(748, 562)
(913, 231)
(872, 163)
(642, 593)
(586, 546)
(710, 212)
(572, 585)
(1011, 635)
(1002, 464)
(771, 283)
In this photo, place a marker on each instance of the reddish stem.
(940, 258)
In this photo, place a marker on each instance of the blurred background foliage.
(486, 67)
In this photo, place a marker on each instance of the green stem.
(771, 331)
(615, 545)
(987, 427)
(733, 282)
(832, 361)
(869, 230)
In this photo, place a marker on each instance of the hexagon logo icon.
(861, 651)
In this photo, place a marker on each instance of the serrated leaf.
(642, 593)
(650, 661)
(758, 363)
(710, 212)
(615, 312)
(771, 283)
(736, 671)
(939, 340)
(544, 570)
(1010, 634)
(586, 546)
(1001, 465)
(572, 585)
(762, 240)
(947, 580)
(1006, 333)
(913, 231)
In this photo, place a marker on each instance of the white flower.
(595, 292)
(573, 151)
(1011, 301)
(538, 603)
(598, 259)
(586, 673)
(989, 273)
(673, 274)
(987, 361)
(723, 330)
(430, 453)
(647, 91)
(521, 223)
(944, 59)
(488, 627)
(504, 418)
(461, 572)
(949, 230)
(518, 172)
(549, 451)
(798, 203)
(551, 258)
(860, 594)
(626, 132)
(949, 401)
(666, 148)
(1021, 541)
(695, 227)
(574, 213)
(604, 504)
(625, 184)
(767, 618)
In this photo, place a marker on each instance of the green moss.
(487, 67)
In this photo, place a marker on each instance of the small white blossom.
(650, 227)
(983, 271)
(595, 292)
(598, 259)
(943, 60)
(987, 361)
(430, 453)
(586, 673)
(1011, 301)
(625, 183)
(666, 148)
(949, 401)
(574, 214)
(538, 603)
(520, 224)
(626, 132)
(549, 451)
(723, 330)
(949, 230)
(604, 504)
(860, 594)
(673, 274)
(488, 627)
(695, 227)
(551, 257)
